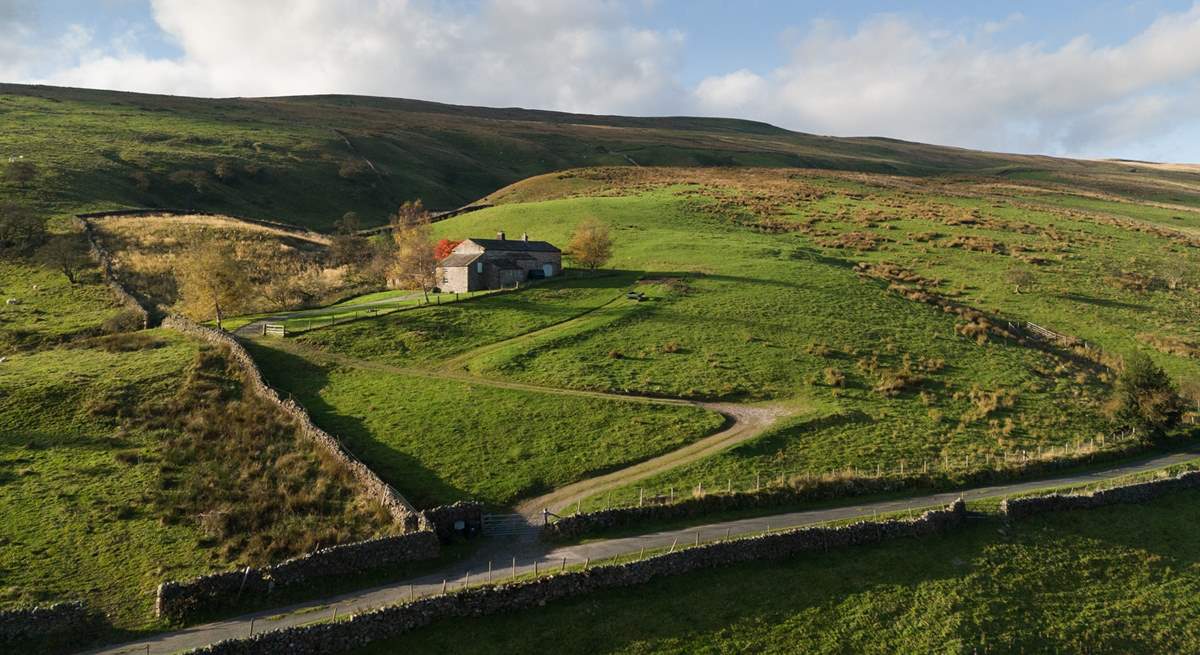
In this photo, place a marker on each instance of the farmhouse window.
(478, 267)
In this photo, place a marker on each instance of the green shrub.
(1144, 398)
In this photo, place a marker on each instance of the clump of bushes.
(126, 320)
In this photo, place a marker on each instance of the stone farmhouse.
(477, 264)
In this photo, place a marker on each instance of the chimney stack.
(525, 236)
(500, 235)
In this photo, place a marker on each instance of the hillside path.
(500, 553)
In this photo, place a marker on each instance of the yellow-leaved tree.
(590, 246)
(213, 283)
(414, 265)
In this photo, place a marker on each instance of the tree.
(1144, 397)
(1020, 278)
(413, 262)
(348, 248)
(291, 282)
(20, 230)
(590, 245)
(20, 172)
(198, 180)
(65, 253)
(444, 247)
(212, 283)
(353, 170)
(225, 170)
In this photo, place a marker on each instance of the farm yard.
(897, 322)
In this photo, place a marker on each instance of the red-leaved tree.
(444, 247)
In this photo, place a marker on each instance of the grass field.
(1118, 579)
(429, 335)
(439, 440)
(117, 471)
(47, 309)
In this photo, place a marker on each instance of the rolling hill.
(309, 159)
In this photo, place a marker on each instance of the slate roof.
(456, 259)
(515, 245)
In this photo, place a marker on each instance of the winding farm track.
(505, 556)
(742, 422)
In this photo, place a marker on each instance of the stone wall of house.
(389, 622)
(209, 593)
(61, 620)
(1018, 508)
(455, 279)
(372, 484)
(104, 259)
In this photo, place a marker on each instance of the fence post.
(514, 575)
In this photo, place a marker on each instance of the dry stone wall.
(372, 484)
(287, 227)
(389, 622)
(103, 257)
(444, 518)
(1018, 508)
(40, 623)
(181, 600)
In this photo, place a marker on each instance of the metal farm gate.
(499, 525)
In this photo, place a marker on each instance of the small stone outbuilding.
(479, 264)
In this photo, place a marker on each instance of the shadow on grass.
(304, 380)
(1101, 302)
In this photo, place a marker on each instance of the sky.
(1084, 79)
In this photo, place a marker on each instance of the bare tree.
(65, 253)
(212, 283)
(291, 283)
(414, 264)
(590, 245)
(20, 230)
(20, 172)
(1020, 279)
(347, 247)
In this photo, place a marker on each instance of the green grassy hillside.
(881, 303)
(307, 160)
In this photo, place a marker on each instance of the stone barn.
(478, 264)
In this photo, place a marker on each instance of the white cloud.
(889, 77)
(573, 55)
